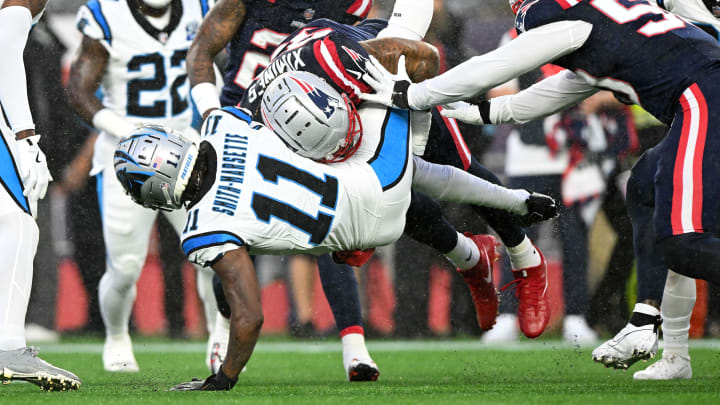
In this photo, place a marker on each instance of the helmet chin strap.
(181, 183)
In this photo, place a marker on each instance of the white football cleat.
(363, 370)
(669, 367)
(505, 330)
(24, 365)
(576, 331)
(631, 344)
(118, 355)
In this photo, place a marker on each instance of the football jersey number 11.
(266, 207)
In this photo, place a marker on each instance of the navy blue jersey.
(267, 23)
(326, 48)
(642, 53)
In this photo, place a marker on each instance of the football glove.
(390, 89)
(216, 382)
(468, 113)
(540, 208)
(33, 168)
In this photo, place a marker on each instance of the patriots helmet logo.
(326, 103)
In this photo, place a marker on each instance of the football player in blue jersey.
(24, 177)
(338, 53)
(647, 56)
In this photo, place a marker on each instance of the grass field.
(545, 372)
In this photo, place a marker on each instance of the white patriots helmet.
(153, 164)
(311, 117)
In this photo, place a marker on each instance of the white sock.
(523, 255)
(116, 302)
(354, 348)
(19, 238)
(465, 254)
(676, 309)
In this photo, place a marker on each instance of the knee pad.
(124, 272)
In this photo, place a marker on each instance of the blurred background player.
(24, 178)
(135, 51)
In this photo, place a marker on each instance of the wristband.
(223, 381)
(484, 108)
(110, 122)
(205, 97)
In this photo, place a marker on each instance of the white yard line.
(327, 347)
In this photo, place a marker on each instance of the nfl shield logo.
(308, 14)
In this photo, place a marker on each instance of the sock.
(353, 342)
(523, 255)
(116, 303)
(676, 309)
(19, 238)
(465, 254)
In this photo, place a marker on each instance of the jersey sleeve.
(91, 22)
(205, 249)
(358, 9)
(341, 61)
(535, 13)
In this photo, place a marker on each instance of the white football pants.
(126, 228)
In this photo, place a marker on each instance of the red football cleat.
(479, 280)
(532, 292)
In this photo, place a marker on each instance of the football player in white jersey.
(678, 297)
(134, 50)
(248, 190)
(24, 176)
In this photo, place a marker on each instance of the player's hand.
(33, 168)
(462, 111)
(216, 382)
(540, 208)
(390, 90)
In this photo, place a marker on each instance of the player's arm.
(242, 292)
(422, 60)
(217, 29)
(86, 73)
(479, 74)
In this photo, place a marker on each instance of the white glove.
(420, 122)
(462, 111)
(390, 89)
(33, 168)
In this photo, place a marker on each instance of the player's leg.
(126, 230)
(301, 273)
(446, 146)
(638, 339)
(217, 342)
(473, 255)
(19, 237)
(341, 290)
(677, 305)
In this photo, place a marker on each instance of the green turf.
(456, 374)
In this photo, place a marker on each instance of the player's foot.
(363, 370)
(505, 330)
(577, 331)
(217, 344)
(533, 300)
(23, 364)
(631, 344)
(669, 367)
(479, 280)
(118, 355)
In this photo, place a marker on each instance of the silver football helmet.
(311, 117)
(153, 165)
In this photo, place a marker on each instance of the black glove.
(216, 382)
(540, 208)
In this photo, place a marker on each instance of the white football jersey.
(266, 197)
(146, 77)
(692, 10)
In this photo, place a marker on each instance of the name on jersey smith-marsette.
(232, 174)
(285, 62)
